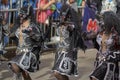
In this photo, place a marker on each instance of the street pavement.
(85, 66)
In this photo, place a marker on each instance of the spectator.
(56, 13)
(4, 5)
(29, 2)
(43, 16)
(79, 2)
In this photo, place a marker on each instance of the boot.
(2, 58)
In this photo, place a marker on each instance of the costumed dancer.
(29, 46)
(108, 55)
(65, 63)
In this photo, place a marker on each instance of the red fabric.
(92, 25)
(41, 15)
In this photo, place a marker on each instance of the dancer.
(66, 54)
(29, 38)
(108, 55)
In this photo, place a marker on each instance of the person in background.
(79, 2)
(56, 13)
(29, 2)
(4, 5)
(42, 14)
(83, 5)
(43, 6)
(43, 17)
(118, 8)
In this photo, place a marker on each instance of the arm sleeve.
(36, 34)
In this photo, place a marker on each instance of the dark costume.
(27, 57)
(69, 32)
(108, 68)
(107, 61)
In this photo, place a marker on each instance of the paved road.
(85, 66)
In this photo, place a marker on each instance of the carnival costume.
(66, 54)
(108, 55)
(29, 46)
(28, 51)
